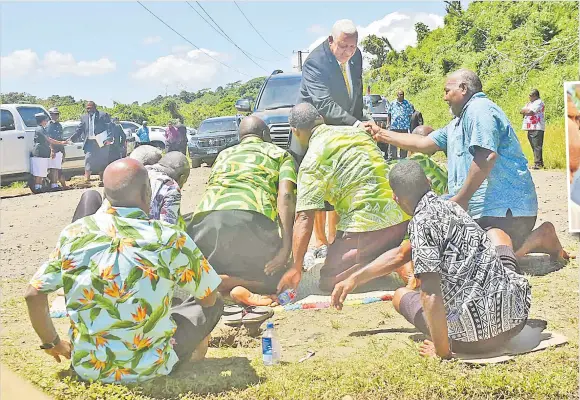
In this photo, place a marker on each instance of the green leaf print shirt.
(436, 173)
(344, 166)
(246, 177)
(119, 270)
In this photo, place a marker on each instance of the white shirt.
(91, 126)
(536, 121)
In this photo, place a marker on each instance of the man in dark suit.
(332, 82)
(94, 123)
(332, 77)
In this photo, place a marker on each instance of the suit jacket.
(102, 123)
(323, 86)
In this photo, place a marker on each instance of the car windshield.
(280, 93)
(127, 125)
(227, 125)
(27, 114)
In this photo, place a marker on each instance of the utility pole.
(300, 52)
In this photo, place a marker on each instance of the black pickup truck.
(278, 95)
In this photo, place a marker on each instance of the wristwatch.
(48, 346)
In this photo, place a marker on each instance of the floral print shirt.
(536, 121)
(165, 198)
(119, 270)
(401, 114)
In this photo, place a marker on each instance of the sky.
(118, 51)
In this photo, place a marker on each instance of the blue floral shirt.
(119, 270)
(401, 114)
(509, 185)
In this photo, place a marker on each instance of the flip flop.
(249, 316)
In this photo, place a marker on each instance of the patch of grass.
(369, 366)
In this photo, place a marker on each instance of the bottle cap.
(269, 325)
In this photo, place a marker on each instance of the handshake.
(377, 133)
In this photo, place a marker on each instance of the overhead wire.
(191, 43)
(225, 35)
(259, 34)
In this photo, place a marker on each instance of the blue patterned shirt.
(119, 270)
(509, 185)
(401, 114)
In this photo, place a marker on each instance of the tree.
(453, 7)
(422, 31)
(379, 47)
(170, 106)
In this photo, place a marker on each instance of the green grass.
(352, 358)
(16, 185)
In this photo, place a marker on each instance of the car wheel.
(195, 163)
(210, 163)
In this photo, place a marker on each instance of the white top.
(536, 121)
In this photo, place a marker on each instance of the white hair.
(345, 26)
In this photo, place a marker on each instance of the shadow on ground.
(213, 375)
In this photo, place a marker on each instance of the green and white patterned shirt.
(246, 177)
(344, 166)
(119, 270)
(436, 173)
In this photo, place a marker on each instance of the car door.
(74, 153)
(13, 146)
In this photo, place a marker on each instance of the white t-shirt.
(536, 121)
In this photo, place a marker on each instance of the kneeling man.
(345, 167)
(471, 299)
(244, 221)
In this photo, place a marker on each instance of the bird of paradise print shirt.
(119, 270)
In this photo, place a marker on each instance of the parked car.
(278, 95)
(156, 136)
(17, 140)
(377, 107)
(213, 135)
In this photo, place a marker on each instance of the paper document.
(101, 138)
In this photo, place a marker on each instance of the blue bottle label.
(267, 346)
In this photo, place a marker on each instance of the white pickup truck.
(18, 124)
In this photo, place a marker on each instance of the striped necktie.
(343, 69)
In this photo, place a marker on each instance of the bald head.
(126, 184)
(253, 126)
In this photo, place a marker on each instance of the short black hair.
(408, 180)
(535, 92)
(303, 116)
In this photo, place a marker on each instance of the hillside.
(190, 107)
(513, 46)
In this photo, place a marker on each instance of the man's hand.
(367, 126)
(427, 349)
(63, 348)
(290, 280)
(341, 290)
(279, 262)
(52, 154)
(108, 142)
(462, 203)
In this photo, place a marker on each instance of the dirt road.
(30, 225)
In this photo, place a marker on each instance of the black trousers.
(536, 139)
(392, 151)
(193, 321)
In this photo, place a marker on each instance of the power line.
(225, 35)
(249, 22)
(189, 41)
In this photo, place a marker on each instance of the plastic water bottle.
(270, 346)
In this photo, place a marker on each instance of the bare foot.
(201, 350)
(242, 295)
(562, 257)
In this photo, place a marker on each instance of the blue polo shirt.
(509, 185)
